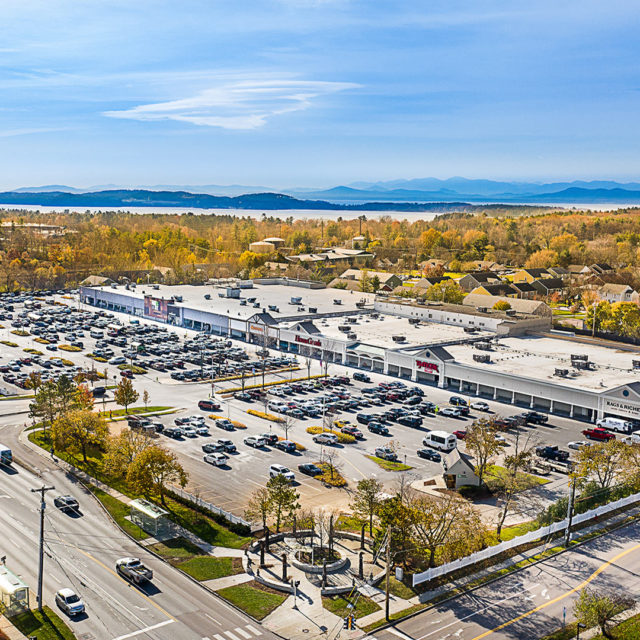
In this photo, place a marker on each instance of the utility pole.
(387, 572)
(42, 490)
(572, 497)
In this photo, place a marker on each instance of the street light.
(578, 627)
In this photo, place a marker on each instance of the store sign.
(620, 407)
(254, 328)
(427, 366)
(309, 341)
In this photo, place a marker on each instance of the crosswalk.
(239, 633)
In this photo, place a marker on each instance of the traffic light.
(349, 622)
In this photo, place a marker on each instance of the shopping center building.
(508, 356)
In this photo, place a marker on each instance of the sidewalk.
(398, 604)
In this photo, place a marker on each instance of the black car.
(309, 469)
(269, 438)
(534, 417)
(429, 454)
(362, 377)
(457, 401)
(66, 503)
(245, 397)
(410, 421)
(376, 427)
(426, 407)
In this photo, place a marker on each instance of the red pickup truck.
(598, 434)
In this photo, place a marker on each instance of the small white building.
(458, 470)
(618, 293)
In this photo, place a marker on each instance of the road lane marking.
(398, 633)
(253, 630)
(232, 635)
(475, 613)
(242, 632)
(145, 630)
(584, 583)
(212, 619)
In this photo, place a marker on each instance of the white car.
(118, 360)
(578, 444)
(189, 432)
(253, 441)
(202, 430)
(216, 459)
(452, 412)
(281, 470)
(480, 405)
(69, 601)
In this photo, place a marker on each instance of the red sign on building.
(309, 341)
(427, 366)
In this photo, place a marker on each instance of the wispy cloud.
(239, 105)
(11, 133)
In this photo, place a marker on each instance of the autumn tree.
(502, 305)
(145, 399)
(123, 449)
(366, 500)
(125, 395)
(594, 608)
(259, 506)
(602, 462)
(482, 444)
(77, 430)
(542, 259)
(153, 469)
(283, 499)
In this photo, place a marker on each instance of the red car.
(126, 374)
(460, 434)
(208, 405)
(598, 434)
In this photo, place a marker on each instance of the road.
(81, 551)
(533, 602)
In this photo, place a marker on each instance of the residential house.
(388, 281)
(596, 280)
(500, 289)
(425, 283)
(559, 272)
(489, 265)
(431, 263)
(529, 275)
(601, 268)
(262, 246)
(97, 281)
(576, 270)
(275, 241)
(524, 289)
(335, 256)
(547, 286)
(618, 293)
(459, 470)
(532, 307)
(474, 279)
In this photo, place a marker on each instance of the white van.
(96, 333)
(615, 424)
(634, 438)
(440, 440)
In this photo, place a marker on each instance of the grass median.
(390, 465)
(254, 598)
(43, 625)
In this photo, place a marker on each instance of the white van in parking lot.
(440, 440)
(615, 424)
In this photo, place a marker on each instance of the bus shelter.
(149, 517)
(13, 591)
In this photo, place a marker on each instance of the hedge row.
(68, 347)
(265, 416)
(235, 423)
(343, 438)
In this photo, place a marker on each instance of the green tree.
(283, 499)
(78, 429)
(366, 500)
(375, 284)
(45, 403)
(152, 469)
(125, 395)
(445, 291)
(482, 444)
(592, 608)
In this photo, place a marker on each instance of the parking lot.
(179, 366)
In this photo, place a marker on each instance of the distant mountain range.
(400, 195)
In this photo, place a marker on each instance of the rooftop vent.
(481, 357)
(561, 373)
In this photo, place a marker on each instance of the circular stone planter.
(332, 567)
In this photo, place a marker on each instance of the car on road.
(309, 469)
(480, 405)
(385, 453)
(255, 442)
(69, 602)
(429, 454)
(579, 444)
(208, 405)
(597, 433)
(280, 470)
(66, 503)
(286, 445)
(134, 570)
(215, 459)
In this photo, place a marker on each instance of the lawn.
(389, 465)
(627, 630)
(115, 413)
(44, 626)
(400, 590)
(176, 550)
(118, 511)
(338, 605)
(256, 599)
(495, 474)
(209, 568)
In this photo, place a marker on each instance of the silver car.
(69, 602)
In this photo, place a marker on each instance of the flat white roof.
(539, 356)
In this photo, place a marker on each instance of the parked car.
(579, 444)
(429, 454)
(380, 429)
(450, 412)
(480, 405)
(352, 431)
(212, 447)
(461, 434)
(280, 470)
(457, 401)
(362, 377)
(269, 438)
(255, 442)
(386, 453)
(69, 602)
(223, 423)
(286, 445)
(208, 405)
(309, 469)
(533, 417)
(227, 445)
(552, 452)
(326, 438)
(599, 434)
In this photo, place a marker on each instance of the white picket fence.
(532, 536)
(185, 495)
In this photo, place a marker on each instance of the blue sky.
(309, 93)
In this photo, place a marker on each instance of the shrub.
(502, 305)
(338, 479)
(265, 416)
(68, 347)
(8, 343)
(343, 438)
(20, 332)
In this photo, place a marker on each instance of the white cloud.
(11, 133)
(239, 105)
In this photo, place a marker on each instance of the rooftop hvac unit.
(361, 304)
(313, 309)
(251, 300)
(296, 300)
(243, 303)
(344, 328)
(350, 320)
(635, 364)
(398, 338)
(273, 307)
(481, 357)
(577, 356)
(351, 336)
(583, 364)
(482, 309)
(483, 346)
(414, 320)
(337, 301)
(562, 373)
(470, 329)
(510, 312)
(232, 292)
